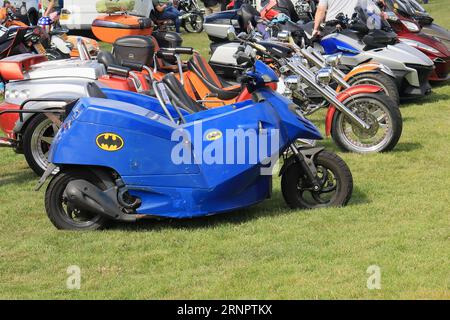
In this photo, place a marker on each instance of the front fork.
(305, 157)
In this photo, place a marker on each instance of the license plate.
(40, 48)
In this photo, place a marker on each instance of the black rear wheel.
(335, 179)
(61, 212)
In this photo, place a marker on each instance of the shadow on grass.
(18, 177)
(431, 98)
(269, 208)
(407, 147)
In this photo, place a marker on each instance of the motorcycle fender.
(309, 153)
(344, 95)
(369, 68)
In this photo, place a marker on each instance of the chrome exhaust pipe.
(7, 143)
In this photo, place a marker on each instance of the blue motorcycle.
(124, 156)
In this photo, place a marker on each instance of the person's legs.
(172, 14)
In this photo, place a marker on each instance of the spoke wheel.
(383, 117)
(38, 138)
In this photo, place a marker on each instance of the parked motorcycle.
(410, 67)
(81, 196)
(409, 32)
(17, 40)
(225, 64)
(191, 15)
(413, 9)
(358, 43)
(360, 119)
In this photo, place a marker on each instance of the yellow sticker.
(109, 141)
(214, 135)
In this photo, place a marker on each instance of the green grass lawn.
(398, 219)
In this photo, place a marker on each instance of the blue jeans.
(172, 13)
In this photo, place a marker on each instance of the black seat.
(106, 58)
(177, 88)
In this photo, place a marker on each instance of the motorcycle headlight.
(413, 27)
(291, 82)
(283, 36)
(419, 45)
(24, 94)
(333, 60)
(324, 76)
(11, 94)
(16, 94)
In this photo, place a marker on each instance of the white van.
(79, 14)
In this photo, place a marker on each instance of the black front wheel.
(335, 179)
(194, 23)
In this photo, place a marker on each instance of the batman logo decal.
(214, 135)
(109, 141)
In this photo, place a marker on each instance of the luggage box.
(109, 28)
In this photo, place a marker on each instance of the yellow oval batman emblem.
(214, 135)
(109, 141)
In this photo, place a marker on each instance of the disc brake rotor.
(372, 121)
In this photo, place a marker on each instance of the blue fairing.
(147, 160)
(332, 45)
(263, 74)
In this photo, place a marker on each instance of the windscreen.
(405, 5)
(417, 6)
(370, 14)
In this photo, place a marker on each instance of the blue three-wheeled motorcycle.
(124, 156)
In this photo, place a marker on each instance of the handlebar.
(132, 65)
(121, 71)
(170, 52)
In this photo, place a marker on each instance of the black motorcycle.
(191, 16)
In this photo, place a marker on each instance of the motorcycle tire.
(378, 79)
(61, 213)
(194, 23)
(37, 139)
(336, 180)
(379, 111)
